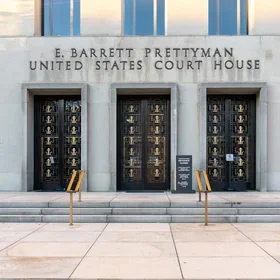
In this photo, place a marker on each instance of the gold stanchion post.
(70, 191)
(200, 188)
(78, 186)
(208, 186)
(206, 191)
(80, 195)
(71, 209)
(206, 208)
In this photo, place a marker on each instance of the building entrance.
(57, 141)
(231, 129)
(143, 143)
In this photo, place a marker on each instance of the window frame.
(155, 23)
(51, 19)
(238, 21)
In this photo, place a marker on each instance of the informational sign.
(52, 160)
(229, 157)
(184, 174)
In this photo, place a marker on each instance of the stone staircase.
(128, 209)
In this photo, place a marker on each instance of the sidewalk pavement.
(140, 251)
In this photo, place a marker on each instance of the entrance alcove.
(29, 91)
(259, 90)
(143, 91)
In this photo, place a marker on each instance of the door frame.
(29, 90)
(260, 91)
(144, 89)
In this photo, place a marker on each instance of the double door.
(57, 141)
(231, 155)
(143, 143)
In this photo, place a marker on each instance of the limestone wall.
(17, 17)
(204, 59)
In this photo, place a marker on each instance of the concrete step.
(77, 211)
(193, 219)
(21, 211)
(137, 204)
(140, 218)
(140, 211)
(20, 218)
(76, 219)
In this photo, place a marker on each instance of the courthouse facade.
(120, 87)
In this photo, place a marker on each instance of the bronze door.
(57, 141)
(143, 143)
(231, 130)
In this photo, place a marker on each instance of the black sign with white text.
(184, 174)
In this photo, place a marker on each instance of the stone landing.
(226, 207)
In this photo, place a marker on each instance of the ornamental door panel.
(143, 143)
(130, 144)
(57, 141)
(157, 143)
(231, 130)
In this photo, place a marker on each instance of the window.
(227, 17)
(61, 18)
(144, 17)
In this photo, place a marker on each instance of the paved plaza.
(140, 251)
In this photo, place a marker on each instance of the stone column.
(98, 138)
(188, 127)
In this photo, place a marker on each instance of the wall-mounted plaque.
(229, 157)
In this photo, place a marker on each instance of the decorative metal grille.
(72, 138)
(143, 125)
(241, 121)
(157, 136)
(131, 130)
(216, 138)
(49, 131)
(231, 130)
(58, 140)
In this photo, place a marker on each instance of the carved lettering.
(190, 58)
(57, 52)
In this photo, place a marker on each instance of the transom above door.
(143, 143)
(231, 129)
(57, 140)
